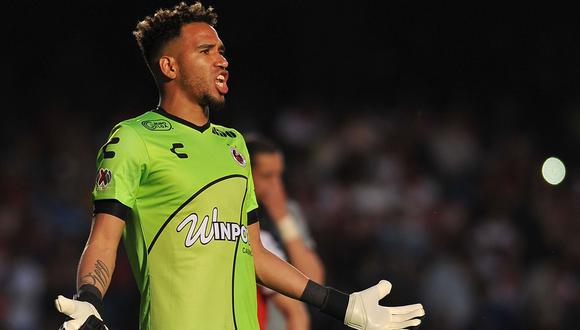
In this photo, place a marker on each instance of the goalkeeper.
(179, 190)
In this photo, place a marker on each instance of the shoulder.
(225, 131)
(233, 137)
(146, 122)
(130, 134)
(139, 127)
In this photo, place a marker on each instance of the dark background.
(414, 134)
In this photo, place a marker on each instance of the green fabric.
(189, 192)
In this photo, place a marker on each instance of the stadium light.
(553, 170)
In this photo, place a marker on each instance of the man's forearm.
(277, 274)
(282, 277)
(96, 266)
(97, 262)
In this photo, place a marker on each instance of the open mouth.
(221, 83)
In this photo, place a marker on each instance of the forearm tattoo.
(100, 275)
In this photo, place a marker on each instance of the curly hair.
(154, 32)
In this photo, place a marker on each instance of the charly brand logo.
(157, 125)
(238, 156)
(214, 230)
(104, 177)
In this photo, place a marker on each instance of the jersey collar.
(164, 113)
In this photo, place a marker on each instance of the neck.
(180, 106)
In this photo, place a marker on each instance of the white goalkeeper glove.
(365, 313)
(84, 316)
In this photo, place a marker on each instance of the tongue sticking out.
(221, 84)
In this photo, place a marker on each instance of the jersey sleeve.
(121, 163)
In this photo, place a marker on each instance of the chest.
(187, 162)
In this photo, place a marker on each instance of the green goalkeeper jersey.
(187, 196)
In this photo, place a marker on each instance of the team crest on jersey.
(104, 177)
(238, 157)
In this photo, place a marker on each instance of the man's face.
(202, 66)
(267, 170)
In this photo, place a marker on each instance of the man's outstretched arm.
(274, 272)
(94, 274)
(359, 310)
(97, 262)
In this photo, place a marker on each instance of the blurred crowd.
(421, 165)
(450, 208)
(455, 218)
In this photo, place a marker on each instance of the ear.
(168, 67)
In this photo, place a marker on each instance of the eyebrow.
(221, 48)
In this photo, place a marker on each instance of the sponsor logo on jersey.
(157, 125)
(208, 231)
(222, 133)
(104, 177)
(238, 157)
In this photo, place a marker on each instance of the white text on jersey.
(218, 230)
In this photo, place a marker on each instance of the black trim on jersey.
(189, 200)
(234, 262)
(112, 207)
(253, 216)
(164, 113)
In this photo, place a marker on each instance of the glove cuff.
(92, 295)
(329, 300)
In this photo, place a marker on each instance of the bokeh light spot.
(553, 171)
